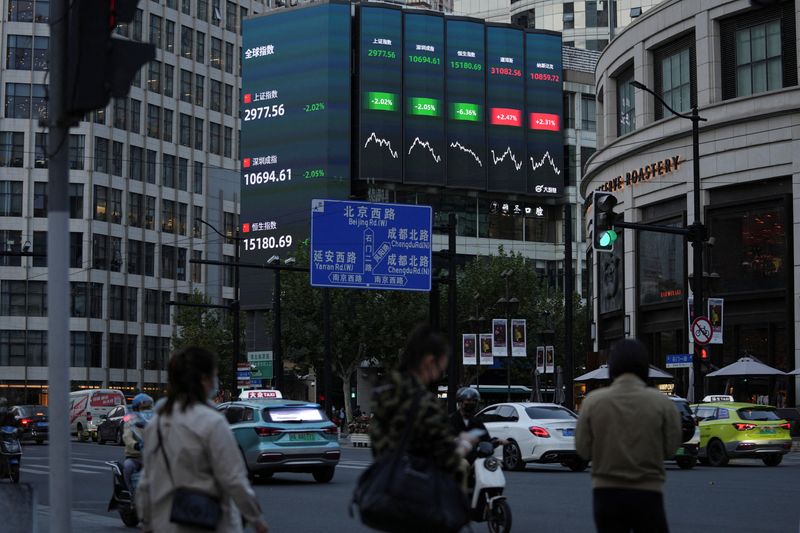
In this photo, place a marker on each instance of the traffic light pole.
(697, 238)
(60, 482)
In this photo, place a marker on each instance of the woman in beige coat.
(200, 450)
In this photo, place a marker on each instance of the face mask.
(469, 409)
(214, 388)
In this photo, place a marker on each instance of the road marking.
(353, 467)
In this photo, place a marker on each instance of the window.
(132, 304)
(26, 53)
(216, 13)
(596, 18)
(167, 261)
(588, 113)
(100, 202)
(168, 216)
(120, 113)
(168, 125)
(76, 151)
(182, 212)
(39, 249)
(186, 7)
(151, 306)
(154, 76)
(180, 271)
(675, 77)
(40, 151)
(23, 348)
(149, 212)
(197, 178)
(196, 268)
(135, 257)
(198, 133)
(626, 110)
(758, 59)
(569, 109)
(230, 16)
(215, 102)
(12, 148)
(569, 15)
(229, 57)
(136, 115)
(20, 10)
(11, 241)
(169, 80)
(186, 86)
(153, 121)
(185, 129)
(149, 258)
(121, 350)
(116, 302)
(41, 12)
(100, 252)
(168, 171)
(136, 31)
(186, 42)
(228, 99)
(216, 53)
(40, 199)
(116, 158)
(76, 250)
(150, 352)
(86, 349)
(199, 89)
(183, 174)
(151, 166)
(99, 116)
(197, 216)
(228, 142)
(135, 209)
(136, 163)
(115, 255)
(75, 200)
(228, 271)
(202, 9)
(18, 100)
(14, 301)
(200, 51)
(214, 138)
(229, 227)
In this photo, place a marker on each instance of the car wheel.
(83, 436)
(119, 441)
(129, 518)
(773, 459)
(324, 475)
(512, 457)
(686, 463)
(703, 461)
(100, 439)
(717, 456)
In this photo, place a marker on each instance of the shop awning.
(746, 366)
(601, 374)
(795, 372)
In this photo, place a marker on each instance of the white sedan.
(536, 432)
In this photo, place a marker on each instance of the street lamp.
(477, 324)
(277, 351)
(697, 230)
(509, 305)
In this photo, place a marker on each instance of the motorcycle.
(121, 499)
(10, 454)
(488, 504)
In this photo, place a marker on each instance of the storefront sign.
(642, 174)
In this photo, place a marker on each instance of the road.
(743, 497)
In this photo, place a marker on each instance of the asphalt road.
(743, 497)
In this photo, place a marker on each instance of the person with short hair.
(627, 430)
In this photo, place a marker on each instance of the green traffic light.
(607, 238)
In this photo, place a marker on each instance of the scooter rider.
(463, 419)
(6, 418)
(142, 407)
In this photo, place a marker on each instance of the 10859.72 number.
(268, 243)
(268, 176)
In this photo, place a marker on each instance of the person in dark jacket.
(422, 364)
(463, 419)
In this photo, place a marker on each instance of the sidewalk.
(81, 521)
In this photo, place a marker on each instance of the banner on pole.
(550, 360)
(715, 312)
(469, 349)
(487, 359)
(540, 359)
(519, 347)
(499, 338)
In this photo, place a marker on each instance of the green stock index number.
(388, 54)
(425, 59)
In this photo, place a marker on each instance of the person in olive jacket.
(627, 430)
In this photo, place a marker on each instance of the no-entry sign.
(701, 331)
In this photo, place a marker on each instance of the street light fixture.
(477, 324)
(697, 230)
(509, 305)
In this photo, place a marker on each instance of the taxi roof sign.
(718, 398)
(260, 394)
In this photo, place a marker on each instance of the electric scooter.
(10, 454)
(121, 499)
(488, 504)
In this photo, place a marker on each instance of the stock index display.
(295, 136)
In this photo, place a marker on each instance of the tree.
(212, 329)
(366, 325)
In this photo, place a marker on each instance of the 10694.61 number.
(267, 243)
(268, 176)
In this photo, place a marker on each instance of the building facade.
(142, 171)
(738, 64)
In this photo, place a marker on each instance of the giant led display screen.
(505, 102)
(381, 88)
(423, 98)
(466, 104)
(544, 113)
(295, 137)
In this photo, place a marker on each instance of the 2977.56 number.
(268, 243)
(267, 111)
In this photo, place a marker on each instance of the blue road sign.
(365, 245)
(679, 360)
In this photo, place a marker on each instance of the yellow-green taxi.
(741, 430)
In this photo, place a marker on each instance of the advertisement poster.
(690, 310)
(499, 338)
(469, 349)
(540, 359)
(518, 339)
(487, 359)
(550, 360)
(715, 311)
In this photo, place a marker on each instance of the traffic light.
(704, 354)
(100, 66)
(603, 217)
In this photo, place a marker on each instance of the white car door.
(490, 419)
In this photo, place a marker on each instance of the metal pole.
(697, 250)
(59, 453)
(277, 352)
(235, 309)
(569, 290)
(326, 311)
(433, 305)
(508, 347)
(453, 370)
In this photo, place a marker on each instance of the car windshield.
(549, 413)
(294, 414)
(757, 414)
(683, 407)
(33, 410)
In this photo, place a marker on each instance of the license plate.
(680, 451)
(41, 424)
(301, 436)
(569, 432)
(767, 431)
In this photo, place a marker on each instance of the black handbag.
(191, 507)
(401, 492)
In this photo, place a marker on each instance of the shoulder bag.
(190, 507)
(401, 492)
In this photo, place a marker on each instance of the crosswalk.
(354, 465)
(38, 466)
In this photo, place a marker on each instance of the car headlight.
(491, 464)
